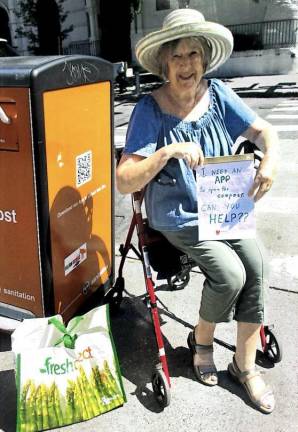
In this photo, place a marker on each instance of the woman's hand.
(134, 172)
(265, 137)
(189, 151)
(264, 178)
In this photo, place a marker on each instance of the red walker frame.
(161, 382)
(160, 377)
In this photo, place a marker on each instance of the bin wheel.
(179, 281)
(273, 349)
(161, 387)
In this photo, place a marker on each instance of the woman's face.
(185, 65)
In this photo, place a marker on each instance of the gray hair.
(168, 47)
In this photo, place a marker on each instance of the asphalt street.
(195, 407)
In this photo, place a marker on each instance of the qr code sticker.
(83, 168)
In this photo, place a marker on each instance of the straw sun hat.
(182, 23)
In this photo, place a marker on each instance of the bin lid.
(53, 72)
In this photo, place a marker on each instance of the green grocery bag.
(65, 375)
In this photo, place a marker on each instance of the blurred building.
(110, 29)
(94, 25)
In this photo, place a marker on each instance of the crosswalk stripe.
(292, 108)
(294, 102)
(282, 116)
(288, 104)
(287, 111)
(119, 139)
(278, 204)
(286, 128)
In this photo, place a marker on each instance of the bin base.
(8, 325)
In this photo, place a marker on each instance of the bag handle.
(68, 338)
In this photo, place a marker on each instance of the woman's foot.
(258, 392)
(203, 364)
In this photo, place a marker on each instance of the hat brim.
(219, 37)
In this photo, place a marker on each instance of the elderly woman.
(170, 133)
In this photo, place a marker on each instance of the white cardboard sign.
(224, 207)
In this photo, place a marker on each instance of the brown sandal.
(203, 365)
(258, 399)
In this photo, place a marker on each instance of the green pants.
(235, 272)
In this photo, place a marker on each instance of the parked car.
(7, 50)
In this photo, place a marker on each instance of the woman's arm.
(263, 135)
(134, 171)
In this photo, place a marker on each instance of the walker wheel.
(115, 296)
(179, 281)
(273, 350)
(161, 387)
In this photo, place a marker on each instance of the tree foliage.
(28, 13)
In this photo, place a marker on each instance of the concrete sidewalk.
(265, 86)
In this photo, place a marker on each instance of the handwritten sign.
(225, 210)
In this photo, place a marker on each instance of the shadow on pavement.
(134, 337)
(277, 90)
(8, 401)
(8, 394)
(137, 351)
(135, 341)
(227, 383)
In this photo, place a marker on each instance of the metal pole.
(137, 83)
